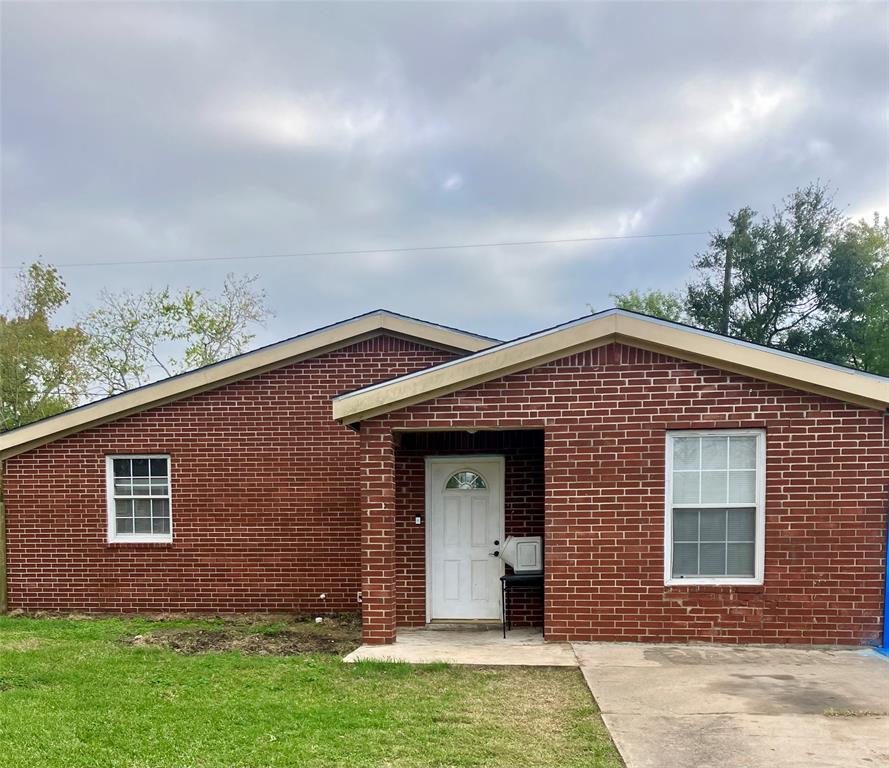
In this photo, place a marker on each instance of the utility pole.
(727, 286)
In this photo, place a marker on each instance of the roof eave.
(756, 362)
(634, 330)
(235, 369)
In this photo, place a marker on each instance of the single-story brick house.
(687, 486)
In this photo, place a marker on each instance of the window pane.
(685, 525)
(686, 453)
(121, 467)
(159, 487)
(741, 524)
(713, 487)
(123, 488)
(714, 452)
(740, 560)
(742, 486)
(141, 525)
(140, 467)
(140, 487)
(160, 525)
(158, 467)
(142, 507)
(123, 507)
(685, 559)
(743, 453)
(160, 508)
(124, 524)
(712, 559)
(685, 487)
(713, 525)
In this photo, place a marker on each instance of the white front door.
(464, 517)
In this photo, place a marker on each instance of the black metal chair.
(511, 581)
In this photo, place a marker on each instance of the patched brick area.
(266, 498)
(523, 508)
(605, 413)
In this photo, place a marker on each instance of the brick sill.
(716, 589)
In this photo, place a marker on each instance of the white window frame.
(136, 538)
(760, 517)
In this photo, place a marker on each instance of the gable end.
(219, 374)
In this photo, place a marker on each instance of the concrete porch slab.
(522, 647)
(674, 706)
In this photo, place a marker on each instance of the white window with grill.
(715, 510)
(139, 509)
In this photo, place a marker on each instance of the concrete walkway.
(684, 706)
(522, 647)
(700, 706)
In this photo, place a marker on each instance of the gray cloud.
(171, 131)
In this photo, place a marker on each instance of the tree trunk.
(726, 288)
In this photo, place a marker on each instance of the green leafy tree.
(663, 304)
(129, 339)
(135, 338)
(874, 328)
(772, 290)
(41, 371)
(855, 284)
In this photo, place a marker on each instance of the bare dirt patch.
(334, 635)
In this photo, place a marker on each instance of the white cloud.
(283, 120)
(819, 148)
(452, 182)
(733, 111)
(710, 119)
(630, 222)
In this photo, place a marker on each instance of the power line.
(372, 251)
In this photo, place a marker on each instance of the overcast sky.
(173, 131)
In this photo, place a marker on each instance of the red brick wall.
(266, 498)
(605, 413)
(378, 535)
(523, 509)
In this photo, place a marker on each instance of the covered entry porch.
(437, 506)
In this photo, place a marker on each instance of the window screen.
(714, 503)
(140, 497)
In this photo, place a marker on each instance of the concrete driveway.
(690, 706)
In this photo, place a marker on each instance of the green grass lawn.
(77, 693)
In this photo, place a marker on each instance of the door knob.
(495, 553)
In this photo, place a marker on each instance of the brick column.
(377, 533)
(557, 467)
